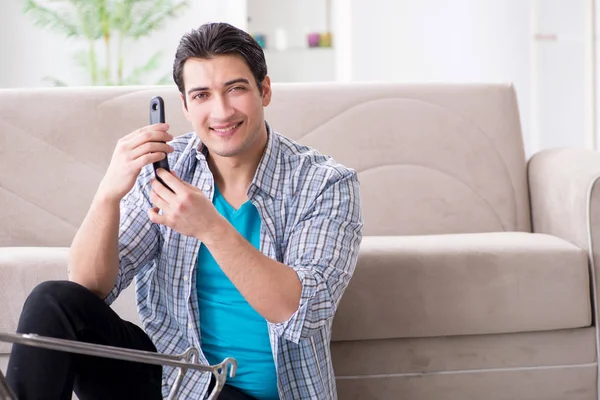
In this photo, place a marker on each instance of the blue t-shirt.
(229, 326)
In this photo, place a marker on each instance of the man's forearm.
(93, 257)
(270, 287)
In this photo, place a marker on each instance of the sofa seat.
(464, 284)
(22, 269)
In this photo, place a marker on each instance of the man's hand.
(186, 210)
(271, 288)
(132, 153)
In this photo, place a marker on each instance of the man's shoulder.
(306, 163)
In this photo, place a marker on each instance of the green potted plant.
(109, 25)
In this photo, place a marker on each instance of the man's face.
(224, 104)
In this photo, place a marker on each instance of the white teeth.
(227, 129)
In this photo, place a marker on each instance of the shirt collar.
(268, 172)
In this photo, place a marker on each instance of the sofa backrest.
(432, 159)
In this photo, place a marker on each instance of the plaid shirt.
(311, 221)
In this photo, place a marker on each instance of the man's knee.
(52, 291)
(52, 307)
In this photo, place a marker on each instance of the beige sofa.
(476, 273)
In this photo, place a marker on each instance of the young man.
(247, 256)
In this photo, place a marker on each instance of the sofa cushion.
(443, 285)
(454, 152)
(431, 159)
(23, 268)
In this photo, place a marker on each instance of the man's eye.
(237, 88)
(200, 96)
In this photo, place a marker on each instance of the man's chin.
(225, 151)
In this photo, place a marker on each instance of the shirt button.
(189, 326)
(185, 278)
(206, 187)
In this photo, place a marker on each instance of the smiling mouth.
(226, 131)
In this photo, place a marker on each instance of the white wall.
(376, 40)
(294, 20)
(444, 41)
(28, 54)
(482, 41)
(558, 78)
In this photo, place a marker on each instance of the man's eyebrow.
(228, 83)
(197, 89)
(238, 80)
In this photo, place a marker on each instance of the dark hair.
(220, 38)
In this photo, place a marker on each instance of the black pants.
(67, 310)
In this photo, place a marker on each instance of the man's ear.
(266, 91)
(184, 106)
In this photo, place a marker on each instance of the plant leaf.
(136, 75)
(87, 14)
(166, 79)
(56, 20)
(82, 59)
(153, 17)
(54, 81)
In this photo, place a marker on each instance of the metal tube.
(5, 392)
(118, 353)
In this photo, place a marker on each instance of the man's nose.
(221, 109)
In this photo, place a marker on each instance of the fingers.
(171, 180)
(157, 193)
(155, 217)
(161, 190)
(146, 159)
(137, 132)
(145, 145)
(151, 133)
(150, 147)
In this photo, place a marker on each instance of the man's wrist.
(215, 231)
(104, 198)
(104, 195)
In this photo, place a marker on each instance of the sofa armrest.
(565, 196)
(21, 270)
(565, 202)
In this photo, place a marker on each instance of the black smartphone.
(157, 115)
